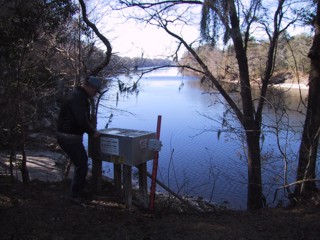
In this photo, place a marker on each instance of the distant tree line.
(291, 58)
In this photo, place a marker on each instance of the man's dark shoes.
(86, 195)
(81, 198)
(77, 199)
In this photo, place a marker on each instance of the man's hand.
(96, 134)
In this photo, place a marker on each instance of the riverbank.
(290, 85)
(43, 210)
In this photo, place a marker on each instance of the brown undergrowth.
(43, 210)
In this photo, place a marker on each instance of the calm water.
(198, 157)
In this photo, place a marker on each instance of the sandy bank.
(47, 166)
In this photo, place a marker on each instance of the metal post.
(155, 168)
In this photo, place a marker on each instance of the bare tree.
(306, 172)
(25, 75)
(236, 19)
(93, 144)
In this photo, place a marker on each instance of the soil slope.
(43, 210)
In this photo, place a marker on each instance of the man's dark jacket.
(74, 117)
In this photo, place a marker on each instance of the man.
(73, 122)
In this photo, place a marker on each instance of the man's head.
(93, 85)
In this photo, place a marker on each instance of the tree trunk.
(24, 168)
(94, 143)
(255, 197)
(12, 159)
(310, 137)
(252, 128)
(94, 148)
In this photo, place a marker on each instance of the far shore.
(291, 85)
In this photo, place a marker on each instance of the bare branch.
(146, 5)
(100, 36)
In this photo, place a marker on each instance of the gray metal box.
(125, 146)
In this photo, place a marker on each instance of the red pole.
(155, 168)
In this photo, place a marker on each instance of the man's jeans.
(79, 157)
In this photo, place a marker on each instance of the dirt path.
(43, 165)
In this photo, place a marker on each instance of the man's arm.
(79, 109)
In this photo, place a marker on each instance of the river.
(199, 157)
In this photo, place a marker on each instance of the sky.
(132, 39)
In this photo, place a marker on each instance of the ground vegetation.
(42, 209)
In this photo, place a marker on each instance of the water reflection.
(198, 157)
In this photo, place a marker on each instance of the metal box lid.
(125, 146)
